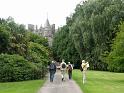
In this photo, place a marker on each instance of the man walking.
(70, 68)
(52, 70)
(63, 69)
(84, 66)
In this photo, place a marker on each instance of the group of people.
(67, 67)
(63, 67)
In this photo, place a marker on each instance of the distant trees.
(23, 55)
(89, 32)
(63, 47)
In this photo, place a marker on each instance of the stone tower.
(47, 31)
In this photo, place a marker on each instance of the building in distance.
(47, 31)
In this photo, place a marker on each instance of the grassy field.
(100, 82)
(21, 87)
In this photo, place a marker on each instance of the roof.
(47, 24)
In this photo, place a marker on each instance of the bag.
(52, 66)
(63, 65)
(88, 65)
(69, 68)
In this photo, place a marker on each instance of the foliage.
(16, 68)
(38, 50)
(16, 40)
(39, 55)
(91, 30)
(37, 39)
(13, 37)
(116, 56)
(4, 39)
(63, 47)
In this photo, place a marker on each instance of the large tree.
(20, 48)
(92, 29)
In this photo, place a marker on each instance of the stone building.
(47, 31)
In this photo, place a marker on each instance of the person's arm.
(82, 65)
(55, 67)
(60, 66)
(72, 66)
(87, 64)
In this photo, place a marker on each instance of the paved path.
(68, 86)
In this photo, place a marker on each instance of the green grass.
(100, 82)
(21, 87)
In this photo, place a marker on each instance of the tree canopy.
(89, 32)
(23, 55)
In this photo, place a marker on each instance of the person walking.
(84, 66)
(52, 70)
(63, 69)
(69, 68)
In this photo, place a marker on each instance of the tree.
(91, 30)
(115, 58)
(16, 41)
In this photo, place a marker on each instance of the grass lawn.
(21, 87)
(100, 82)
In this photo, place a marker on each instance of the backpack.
(69, 68)
(63, 65)
(52, 66)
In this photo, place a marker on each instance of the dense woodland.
(94, 32)
(23, 55)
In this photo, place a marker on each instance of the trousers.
(52, 73)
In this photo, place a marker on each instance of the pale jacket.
(85, 66)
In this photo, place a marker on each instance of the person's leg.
(70, 74)
(62, 73)
(84, 77)
(50, 76)
(53, 75)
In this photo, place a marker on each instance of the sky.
(36, 11)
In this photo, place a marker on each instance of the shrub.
(16, 68)
(116, 64)
(39, 55)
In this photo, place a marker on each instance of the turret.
(31, 27)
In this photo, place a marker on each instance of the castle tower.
(47, 31)
(31, 27)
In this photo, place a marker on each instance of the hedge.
(16, 68)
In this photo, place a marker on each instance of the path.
(68, 86)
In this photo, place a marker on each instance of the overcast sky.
(35, 11)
